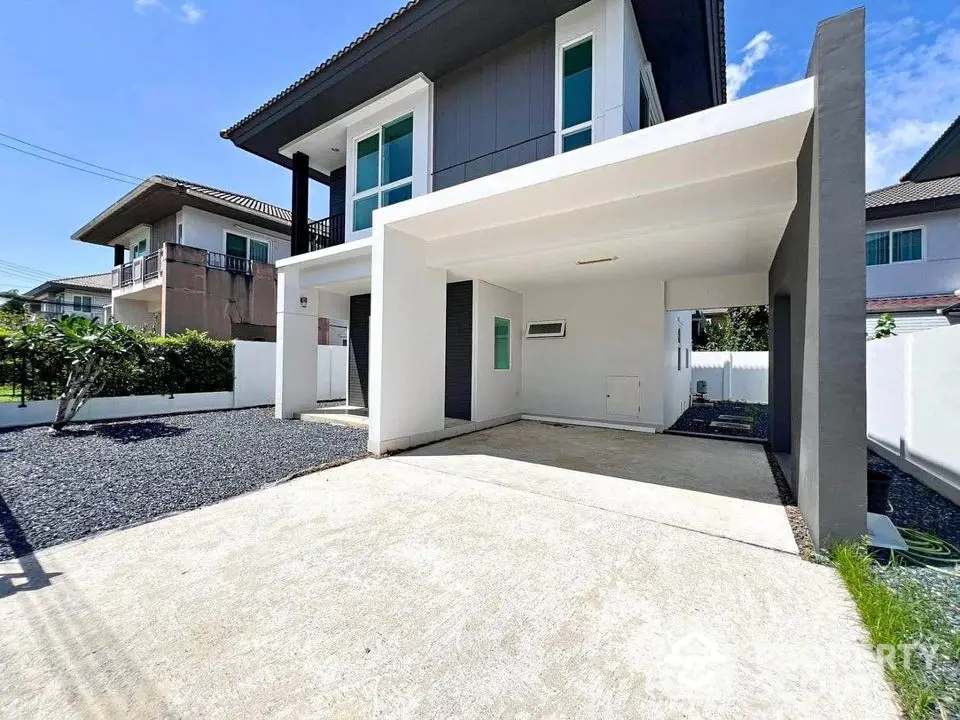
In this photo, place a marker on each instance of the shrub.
(186, 363)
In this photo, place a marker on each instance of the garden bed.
(100, 476)
(722, 419)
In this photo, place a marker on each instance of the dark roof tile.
(906, 192)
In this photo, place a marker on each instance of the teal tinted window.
(578, 84)
(501, 343)
(368, 161)
(259, 251)
(236, 246)
(397, 150)
(907, 245)
(397, 194)
(878, 248)
(363, 212)
(576, 140)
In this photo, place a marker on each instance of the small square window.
(395, 195)
(501, 343)
(236, 246)
(577, 140)
(907, 245)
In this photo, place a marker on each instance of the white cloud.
(191, 13)
(144, 5)
(913, 93)
(753, 52)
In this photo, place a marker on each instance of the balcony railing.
(52, 310)
(136, 271)
(327, 232)
(230, 263)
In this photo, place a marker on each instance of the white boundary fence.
(913, 392)
(253, 385)
(740, 376)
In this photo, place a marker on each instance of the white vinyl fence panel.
(740, 376)
(255, 373)
(913, 392)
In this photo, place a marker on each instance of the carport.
(720, 488)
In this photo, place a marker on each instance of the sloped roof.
(160, 196)
(916, 303)
(244, 201)
(100, 282)
(321, 67)
(911, 192)
(942, 159)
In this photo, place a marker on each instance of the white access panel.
(623, 395)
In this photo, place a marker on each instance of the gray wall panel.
(338, 190)
(496, 112)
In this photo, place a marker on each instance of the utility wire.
(15, 266)
(70, 157)
(25, 276)
(67, 165)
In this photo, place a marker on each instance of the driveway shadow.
(32, 575)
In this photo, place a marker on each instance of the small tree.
(744, 330)
(885, 327)
(90, 350)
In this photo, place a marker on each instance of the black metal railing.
(151, 266)
(230, 263)
(137, 270)
(327, 232)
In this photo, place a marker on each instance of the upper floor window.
(139, 250)
(894, 246)
(384, 170)
(240, 246)
(577, 95)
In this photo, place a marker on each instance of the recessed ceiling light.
(594, 261)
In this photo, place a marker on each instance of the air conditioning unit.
(547, 329)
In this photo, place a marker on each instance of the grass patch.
(9, 394)
(898, 619)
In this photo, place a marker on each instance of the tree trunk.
(80, 382)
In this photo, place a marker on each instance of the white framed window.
(886, 247)
(383, 170)
(246, 247)
(82, 303)
(139, 249)
(501, 343)
(575, 82)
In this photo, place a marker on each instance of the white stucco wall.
(613, 329)
(255, 372)
(740, 376)
(718, 291)
(913, 390)
(135, 313)
(676, 380)
(206, 231)
(496, 393)
(939, 271)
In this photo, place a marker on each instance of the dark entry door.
(358, 377)
(459, 356)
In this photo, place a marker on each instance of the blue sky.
(144, 86)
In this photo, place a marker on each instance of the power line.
(25, 268)
(67, 165)
(32, 277)
(70, 157)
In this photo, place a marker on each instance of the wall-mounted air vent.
(547, 329)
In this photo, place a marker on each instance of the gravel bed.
(697, 419)
(101, 476)
(801, 533)
(914, 505)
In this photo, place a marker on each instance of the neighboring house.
(520, 219)
(189, 256)
(913, 242)
(86, 295)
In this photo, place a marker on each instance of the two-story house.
(84, 295)
(525, 199)
(913, 242)
(189, 256)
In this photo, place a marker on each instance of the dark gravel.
(697, 419)
(916, 506)
(102, 476)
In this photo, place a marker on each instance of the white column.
(407, 343)
(296, 345)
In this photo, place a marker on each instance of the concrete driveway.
(458, 580)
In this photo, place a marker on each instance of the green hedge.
(186, 363)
